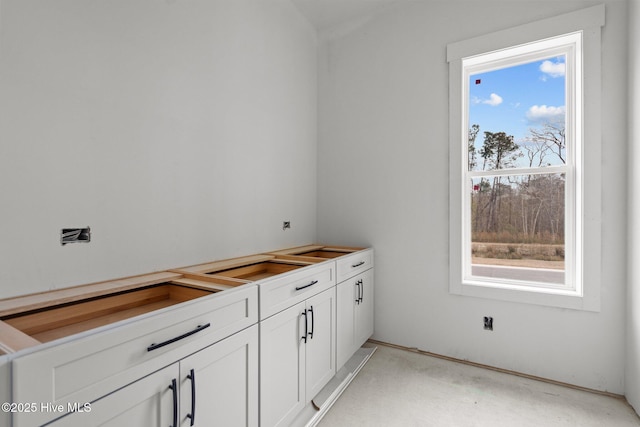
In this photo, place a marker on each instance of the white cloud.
(493, 100)
(539, 113)
(553, 69)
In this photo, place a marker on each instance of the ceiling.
(326, 13)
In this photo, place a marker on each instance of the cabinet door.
(148, 402)
(347, 294)
(320, 347)
(282, 370)
(220, 383)
(355, 315)
(364, 310)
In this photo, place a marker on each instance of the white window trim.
(569, 46)
(586, 296)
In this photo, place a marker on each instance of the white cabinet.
(297, 357)
(282, 370)
(92, 365)
(355, 314)
(215, 386)
(350, 265)
(320, 359)
(355, 303)
(220, 383)
(147, 402)
(255, 354)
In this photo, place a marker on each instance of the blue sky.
(517, 98)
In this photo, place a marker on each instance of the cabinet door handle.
(155, 346)
(174, 388)
(361, 290)
(357, 265)
(192, 415)
(312, 322)
(358, 292)
(304, 337)
(298, 288)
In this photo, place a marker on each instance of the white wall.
(383, 181)
(180, 131)
(632, 383)
(184, 131)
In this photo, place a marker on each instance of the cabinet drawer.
(285, 291)
(350, 265)
(97, 363)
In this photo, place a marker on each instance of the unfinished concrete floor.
(402, 388)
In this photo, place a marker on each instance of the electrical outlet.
(488, 323)
(286, 224)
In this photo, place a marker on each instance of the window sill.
(528, 295)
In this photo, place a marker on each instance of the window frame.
(570, 46)
(512, 46)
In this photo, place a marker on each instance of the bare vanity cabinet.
(71, 368)
(354, 278)
(355, 303)
(297, 326)
(243, 342)
(297, 341)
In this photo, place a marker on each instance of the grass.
(507, 237)
(518, 251)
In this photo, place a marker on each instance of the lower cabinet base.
(322, 402)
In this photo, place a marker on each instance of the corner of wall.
(632, 368)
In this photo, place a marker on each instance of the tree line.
(528, 208)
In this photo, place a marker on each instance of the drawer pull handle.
(172, 340)
(357, 265)
(192, 415)
(174, 388)
(299, 288)
(306, 326)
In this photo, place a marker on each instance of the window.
(522, 108)
(519, 137)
